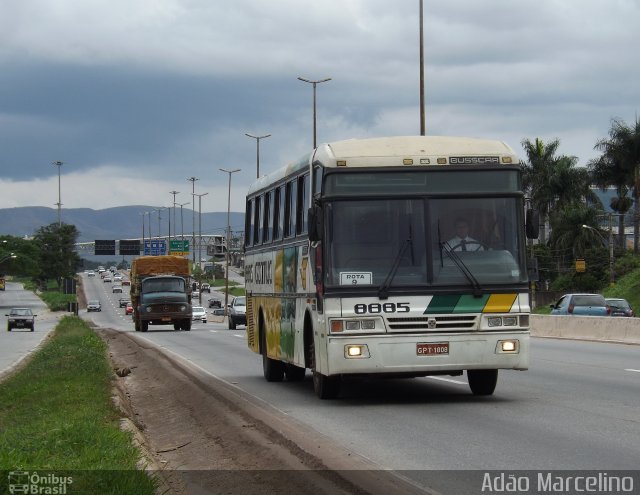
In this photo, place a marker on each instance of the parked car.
(123, 301)
(198, 313)
(94, 305)
(581, 305)
(619, 307)
(215, 303)
(20, 318)
(237, 312)
(129, 309)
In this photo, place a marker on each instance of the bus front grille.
(433, 323)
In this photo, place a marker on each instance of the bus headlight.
(356, 351)
(353, 325)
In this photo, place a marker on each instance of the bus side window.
(268, 217)
(257, 224)
(248, 224)
(303, 199)
(278, 212)
(290, 209)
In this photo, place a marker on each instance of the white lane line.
(449, 380)
(239, 336)
(635, 371)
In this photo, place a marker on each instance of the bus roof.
(413, 151)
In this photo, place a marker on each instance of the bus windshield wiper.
(446, 247)
(383, 291)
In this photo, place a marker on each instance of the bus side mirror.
(532, 224)
(316, 223)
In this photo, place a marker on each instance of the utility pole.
(193, 216)
(423, 127)
(174, 215)
(226, 292)
(58, 164)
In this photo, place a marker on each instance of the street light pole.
(182, 224)
(200, 243)
(422, 111)
(193, 216)
(257, 138)
(315, 83)
(226, 292)
(174, 215)
(58, 164)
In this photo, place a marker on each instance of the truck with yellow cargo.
(161, 292)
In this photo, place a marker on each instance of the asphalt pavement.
(18, 344)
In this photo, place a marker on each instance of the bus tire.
(272, 369)
(144, 326)
(326, 387)
(482, 382)
(294, 373)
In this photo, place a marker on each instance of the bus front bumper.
(421, 355)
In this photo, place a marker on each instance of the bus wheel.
(326, 387)
(294, 373)
(136, 324)
(272, 369)
(482, 382)
(144, 326)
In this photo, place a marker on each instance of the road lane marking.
(635, 371)
(239, 336)
(449, 380)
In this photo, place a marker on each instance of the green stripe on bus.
(470, 304)
(442, 304)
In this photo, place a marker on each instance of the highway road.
(19, 343)
(577, 408)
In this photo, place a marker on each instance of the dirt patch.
(202, 442)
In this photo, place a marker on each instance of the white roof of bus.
(418, 146)
(377, 151)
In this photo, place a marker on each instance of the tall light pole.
(182, 223)
(423, 127)
(226, 292)
(315, 83)
(200, 243)
(143, 214)
(174, 215)
(193, 216)
(257, 138)
(612, 272)
(58, 164)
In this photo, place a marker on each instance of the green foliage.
(57, 414)
(57, 256)
(626, 264)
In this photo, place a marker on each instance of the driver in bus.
(461, 241)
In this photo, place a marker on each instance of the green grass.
(57, 415)
(627, 287)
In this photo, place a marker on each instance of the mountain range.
(122, 222)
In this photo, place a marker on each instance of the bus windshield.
(433, 241)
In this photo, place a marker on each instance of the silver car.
(198, 313)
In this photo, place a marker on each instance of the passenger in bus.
(462, 241)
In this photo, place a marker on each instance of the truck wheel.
(482, 382)
(176, 326)
(8, 328)
(232, 323)
(32, 328)
(187, 325)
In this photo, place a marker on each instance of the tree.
(58, 258)
(553, 181)
(621, 158)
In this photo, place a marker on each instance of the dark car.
(123, 301)
(94, 305)
(237, 312)
(20, 318)
(215, 303)
(619, 307)
(581, 305)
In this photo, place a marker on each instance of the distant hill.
(123, 222)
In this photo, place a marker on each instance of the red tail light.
(608, 310)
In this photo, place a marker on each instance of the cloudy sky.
(135, 96)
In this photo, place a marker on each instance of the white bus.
(353, 266)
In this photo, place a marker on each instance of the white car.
(198, 313)
(91, 273)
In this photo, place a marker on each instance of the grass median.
(57, 415)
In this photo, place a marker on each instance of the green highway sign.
(179, 247)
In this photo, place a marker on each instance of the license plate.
(165, 318)
(436, 349)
